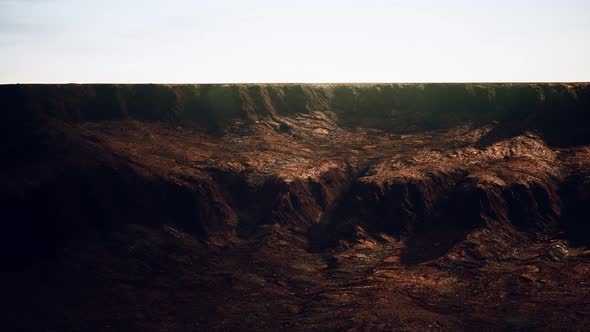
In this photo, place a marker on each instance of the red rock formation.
(387, 206)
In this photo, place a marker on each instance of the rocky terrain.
(295, 207)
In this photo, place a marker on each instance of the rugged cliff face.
(388, 206)
(394, 107)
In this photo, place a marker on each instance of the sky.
(231, 41)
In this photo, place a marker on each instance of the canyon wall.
(557, 110)
(199, 157)
(295, 206)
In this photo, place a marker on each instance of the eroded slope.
(297, 207)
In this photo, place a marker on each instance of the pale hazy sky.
(294, 41)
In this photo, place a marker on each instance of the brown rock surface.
(297, 207)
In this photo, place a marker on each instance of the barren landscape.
(325, 207)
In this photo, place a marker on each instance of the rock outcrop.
(292, 206)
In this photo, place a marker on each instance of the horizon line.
(300, 82)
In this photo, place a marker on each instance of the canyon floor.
(294, 222)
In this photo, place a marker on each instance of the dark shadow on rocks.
(575, 218)
(462, 214)
(432, 242)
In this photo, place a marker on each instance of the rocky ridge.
(387, 206)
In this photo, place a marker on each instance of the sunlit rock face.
(300, 207)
